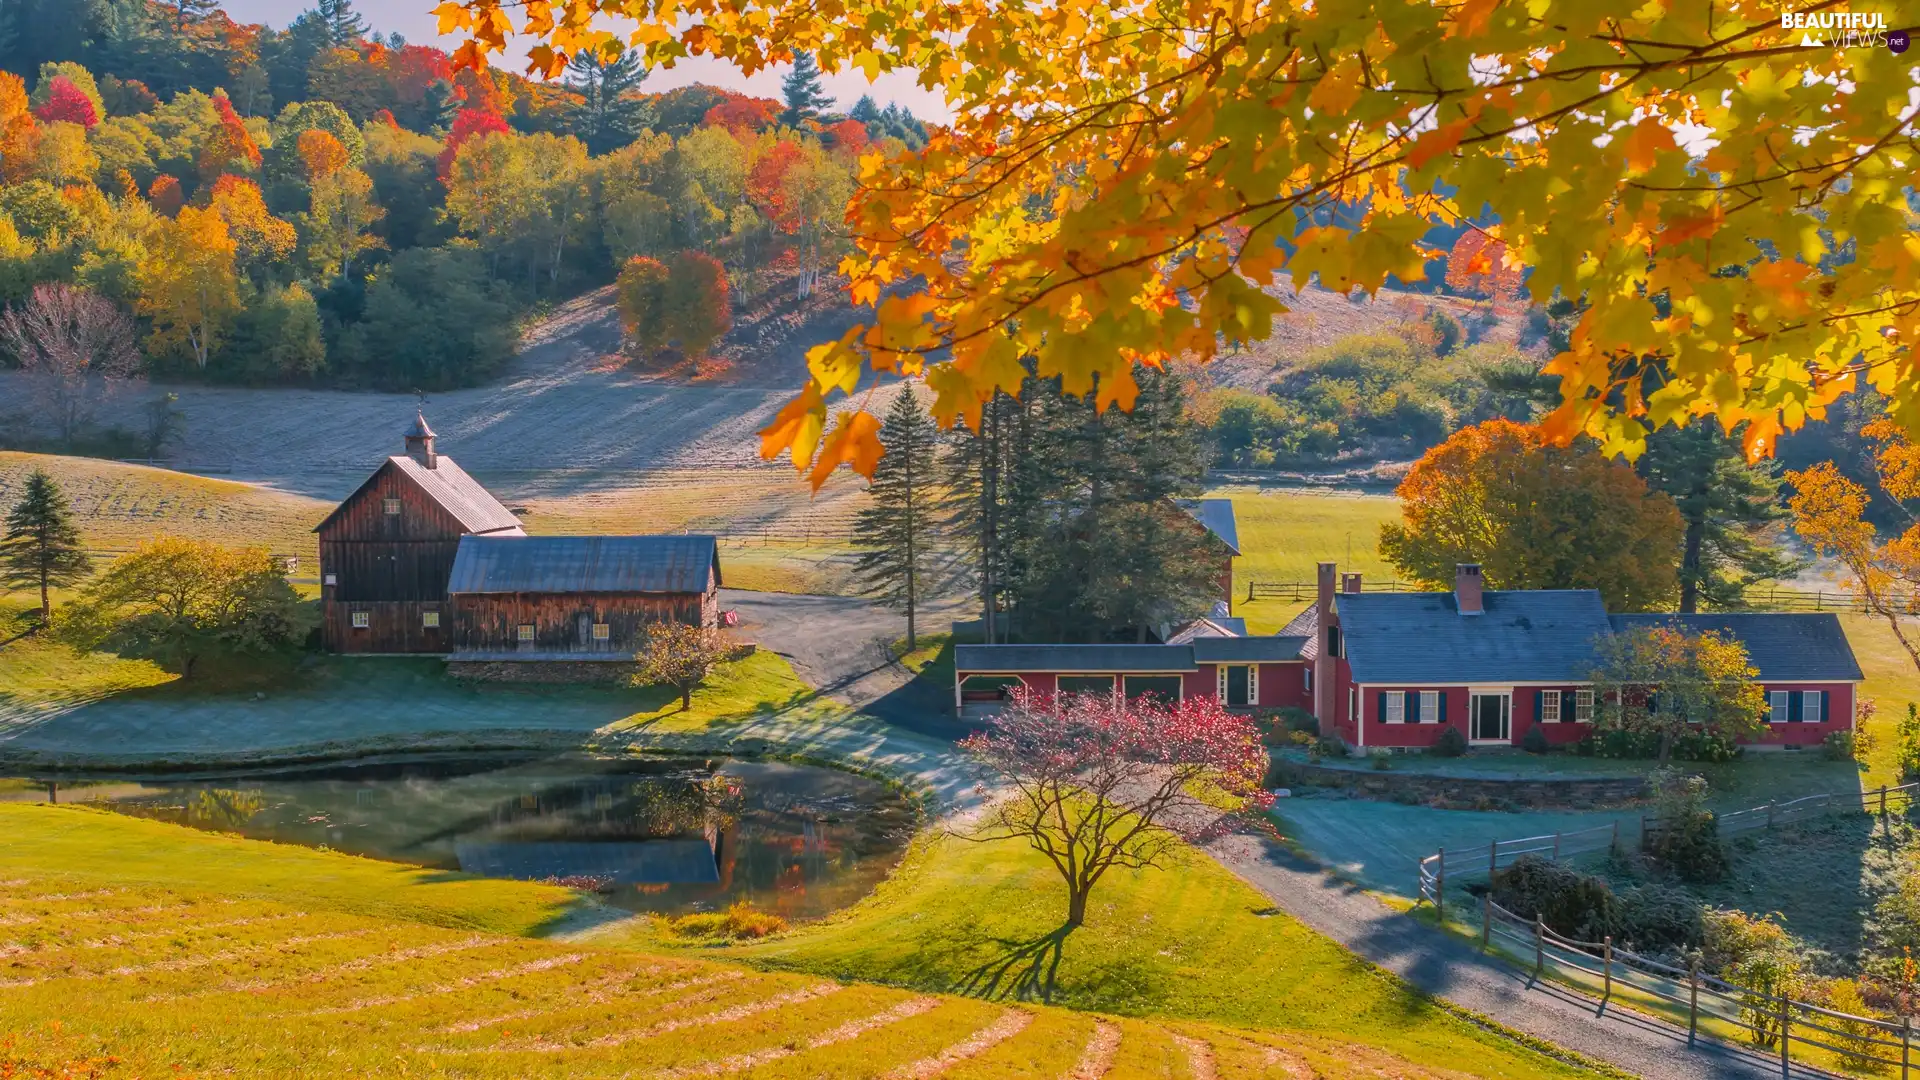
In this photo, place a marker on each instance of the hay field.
(123, 980)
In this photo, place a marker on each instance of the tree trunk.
(686, 698)
(1076, 905)
(1690, 565)
(1666, 745)
(46, 601)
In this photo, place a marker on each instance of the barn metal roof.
(583, 564)
(1217, 516)
(1784, 646)
(448, 485)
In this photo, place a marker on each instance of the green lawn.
(1190, 940)
(759, 684)
(36, 670)
(1285, 532)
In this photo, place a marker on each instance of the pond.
(656, 835)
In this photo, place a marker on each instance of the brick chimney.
(420, 442)
(1324, 661)
(1467, 588)
(1349, 583)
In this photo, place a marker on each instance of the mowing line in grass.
(602, 992)
(186, 963)
(724, 1016)
(465, 982)
(115, 941)
(1097, 1058)
(1010, 1023)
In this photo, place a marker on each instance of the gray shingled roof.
(1785, 647)
(1217, 516)
(1246, 650)
(1544, 635)
(583, 564)
(1073, 659)
(447, 484)
(1305, 625)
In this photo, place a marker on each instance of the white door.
(1490, 717)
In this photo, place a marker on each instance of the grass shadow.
(1026, 970)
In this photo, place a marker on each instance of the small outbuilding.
(576, 597)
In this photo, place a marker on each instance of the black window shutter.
(1383, 706)
(1413, 706)
(1539, 705)
(1443, 706)
(1793, 708)
(1826, 716)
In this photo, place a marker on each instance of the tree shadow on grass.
(1024, 970)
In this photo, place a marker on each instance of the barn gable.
(445, 485)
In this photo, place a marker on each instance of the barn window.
(393, 507)
(1583, 706)
(361, 620)
(602, 632)
(526, 632)
(430, 620)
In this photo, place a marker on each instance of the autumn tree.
(67, 103)
(261, 241)
(177, 601)
(17, 128)
(1830, 513)
(165, 195)
(899, 531)
(230, 147)
(1096, 783)
(1535, 516)
(188, 285)
(1662, 682)
(338, 226)
(321, 155)
(468, 124)
(1477, 266)
(1141, 173)
(681, 303)
(680, 655)
(75, 347)
(41, 549)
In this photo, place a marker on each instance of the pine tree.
(900, 530)
(345, 26)
(609, 114)
(1731, 509)
(804, 95)
(42, 546)
(864, 110)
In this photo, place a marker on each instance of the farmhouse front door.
(1491, 717)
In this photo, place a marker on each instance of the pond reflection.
(670, 835)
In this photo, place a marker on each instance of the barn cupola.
(420, 442)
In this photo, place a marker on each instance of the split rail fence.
(1772, 1023)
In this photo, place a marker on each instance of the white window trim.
(390, 506)
(1779, 706)
(1550, 707)
(1811, 700)
(1583, 702)
(1429, 706)
(362, 620)
(1220, 685)
(523, 632)
(1396, 707)
(602, 631)
(430, 620)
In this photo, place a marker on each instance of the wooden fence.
(1761, 599)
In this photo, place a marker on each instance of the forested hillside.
(203, 199)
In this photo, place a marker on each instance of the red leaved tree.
(165, 195)
(1094, 783)
(230, 146)
(67, 102)
(468, 124)
(683, 303)
(848, 136)
(767, 188)
(741, 113)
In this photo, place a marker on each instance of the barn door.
(585, 622)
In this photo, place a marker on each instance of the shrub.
(1731, 938)
(1852, 1039)
(1284, 726)
(737, 923)
(1381, 760)
(1661, 918)
(1569, 902)
(1838, 746)
(1688, 839)
(1535, 741)
(1450, 743)
(1906, 745)
(1763, 980)
(1328, 746)
(1688, 746)
(1298, 719)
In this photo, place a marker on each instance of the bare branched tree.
(76, 348)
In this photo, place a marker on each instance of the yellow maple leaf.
(796, 428)
(856, 442)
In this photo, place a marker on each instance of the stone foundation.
(1411, 787)
(544, 671)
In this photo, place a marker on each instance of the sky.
(413, 19)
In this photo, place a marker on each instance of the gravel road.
(1456, 971)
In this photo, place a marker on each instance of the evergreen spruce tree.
(1732, 511)
(900, 530)
(609, 116)
(805, 97)
(864, 110)
(345, 26)
(41, 548)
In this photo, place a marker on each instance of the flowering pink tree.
(1096, 783)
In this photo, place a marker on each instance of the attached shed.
(1241, 672)
(576, 597)
(386, 549)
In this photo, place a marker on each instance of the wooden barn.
(386, 552)
(576, 597)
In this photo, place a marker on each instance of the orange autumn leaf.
(796, 428)
(855, 441)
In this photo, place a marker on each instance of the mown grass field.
(1285, 532)
(129, 947)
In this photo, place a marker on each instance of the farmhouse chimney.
(1467, 587)
(1349, 583)
(420, 442)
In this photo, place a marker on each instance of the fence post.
(1539, 946)
(1606, 993)
(1486, 924)
(1493, 856)
(1440, 888)
(1786, 1035)
(1693, 998)
(1613, 846)
(1883, 800)
(1770, 807)
(1556, 847)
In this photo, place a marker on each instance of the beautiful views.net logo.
(1844, 29)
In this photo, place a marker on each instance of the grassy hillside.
(120, 505)
(173, 951)
(1284, 532)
